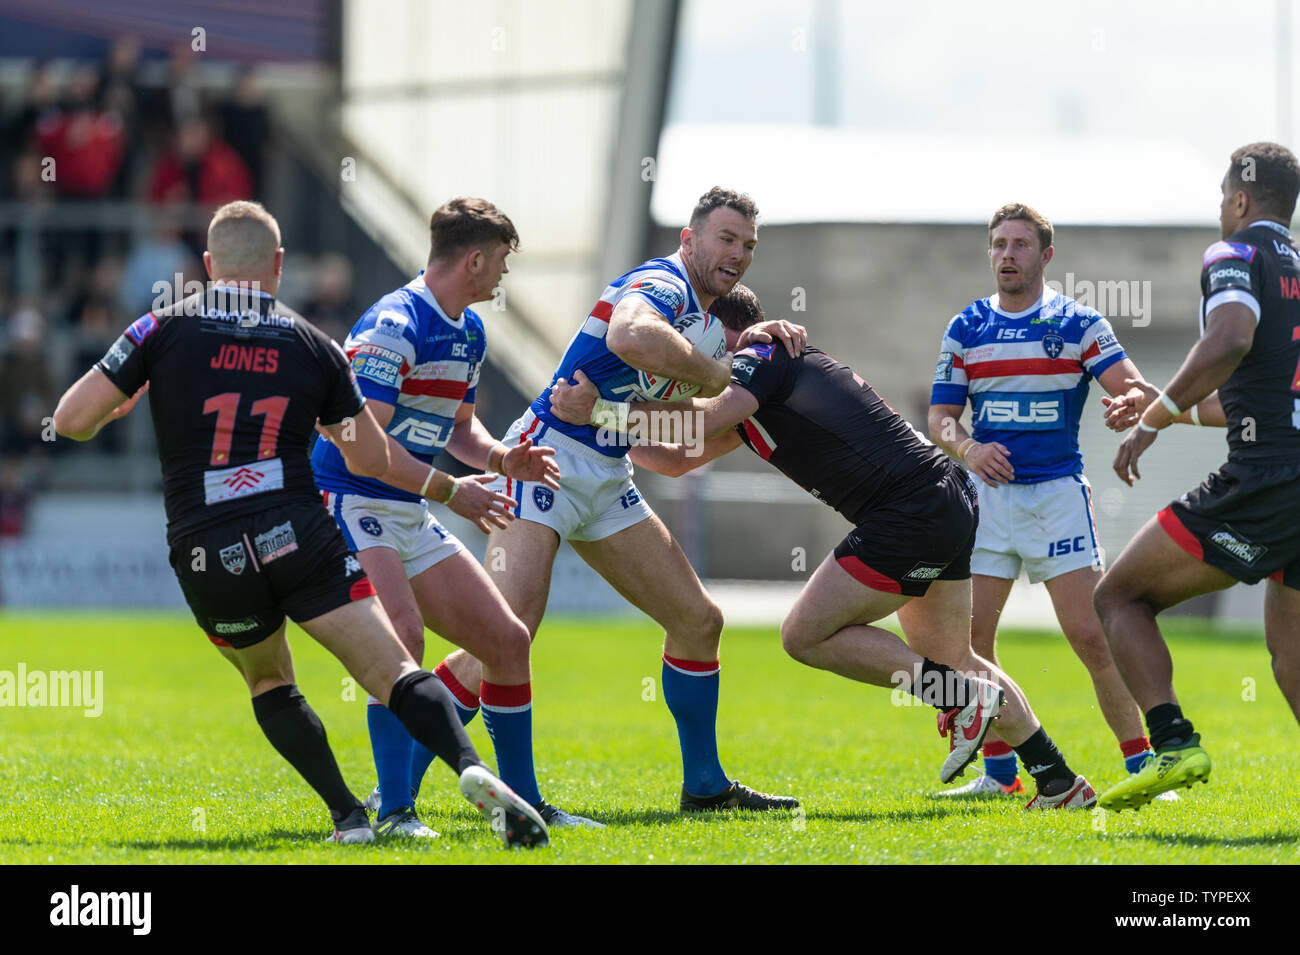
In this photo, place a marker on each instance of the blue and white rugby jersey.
(662, 283)
(1026, 375)
(405, 351)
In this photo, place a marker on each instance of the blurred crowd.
(123, 131)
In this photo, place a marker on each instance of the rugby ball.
(704, 331)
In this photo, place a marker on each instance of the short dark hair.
(1269, 174)
(1018, 210)
(738, 309)
(467, 223)
(717, 198)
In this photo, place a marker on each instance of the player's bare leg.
(1282, 632)
(988, 597)
(829, 627)
(518, 561)
(935, 625)
(264, 665)
(361, 636)
(1152, 574)
(647, 567)
(1071, 595)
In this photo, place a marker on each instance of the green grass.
(175, 769)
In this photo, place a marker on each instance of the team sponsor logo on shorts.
(371, 526)
(234, 557)
(228, 484)
(1228, 540)
(943, 370)
(235, 626)
(276, 542)
(1053, 344)
(543, 497)
(924, 572)
(660, 292)
(351, 566)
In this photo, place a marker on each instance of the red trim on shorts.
(531, 428)
(362, 589)
(997, 748)
(1277, 576)
(867, 576)
(1181, 535)
(1134, 746)
(218, 641)
(498, 694)
(457, 689)
(692, 666)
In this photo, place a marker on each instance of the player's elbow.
(68, 423)
(622, 340)
(371, 461)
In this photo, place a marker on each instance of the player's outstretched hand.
(1123, 412)
(1130, 449)
(474, 502)
(990, 462)
(572, 403)
(524, 462)
(793, 337)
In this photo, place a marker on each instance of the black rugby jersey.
(1260, 267)
(827, 430)
(236, 383)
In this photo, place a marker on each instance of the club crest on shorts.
(371, 526)
(543, 497)
(234, 557)
(1053, 344)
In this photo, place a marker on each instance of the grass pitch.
(175, 770)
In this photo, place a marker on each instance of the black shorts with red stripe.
(916, 538)
(242, 577)
(1243, 519)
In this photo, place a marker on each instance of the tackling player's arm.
(472, 443)
(1229, 334)
(362, 442)
(581, 404)
(92, 402)
(465, 496)
(674, 460)
(639, 335)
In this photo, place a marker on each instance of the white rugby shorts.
(405, 526)
(1048, 526)
(596, 497)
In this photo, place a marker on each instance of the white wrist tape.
(1168, 402)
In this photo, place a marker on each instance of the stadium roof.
(824, 174)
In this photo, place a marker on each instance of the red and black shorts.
(1244, 520)
(242, 577)
(927, 534)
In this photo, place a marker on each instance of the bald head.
(243, 243)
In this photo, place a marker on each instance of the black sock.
(1044, 762)
(940, 686)
(296, 732)
(1166, 726)
(428, 712)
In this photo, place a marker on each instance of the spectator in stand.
(87, 145)
(27, 392)
(199, 168)
(246, 126)
(14, 499)
(330, 307)
(18, 127)
(119, 91)
(160, 257)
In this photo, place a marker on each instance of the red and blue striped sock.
(466, 708)
(1136, 753)
(1000, 762)
(391, 745)
(691, 693)
(508, 716)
